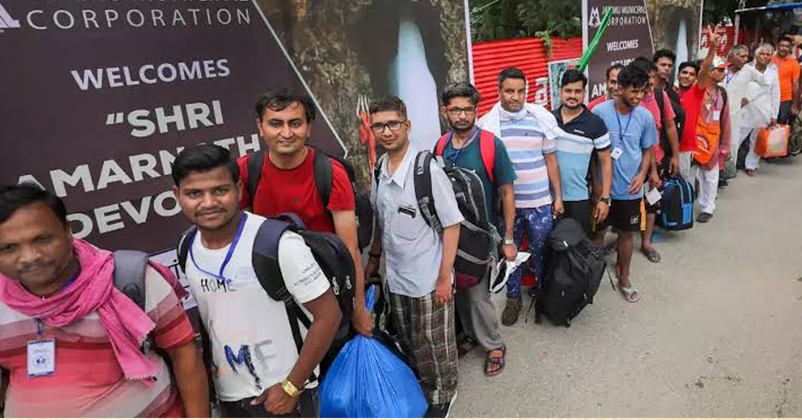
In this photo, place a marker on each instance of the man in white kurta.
(736, 81)
(764, 104)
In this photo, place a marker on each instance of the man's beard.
(460, 129)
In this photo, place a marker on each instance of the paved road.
(717, 332)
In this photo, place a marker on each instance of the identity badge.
(653, 196)
(41, 358)
(716, 115)
(616, 153)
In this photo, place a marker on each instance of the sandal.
(497, 361)
(652, 255)
(630, 293)
(465, 346)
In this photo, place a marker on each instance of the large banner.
(98, 97)
(676, 25)
(627, 37)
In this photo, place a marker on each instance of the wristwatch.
(509, 241)
(605, 200)
(290, 389)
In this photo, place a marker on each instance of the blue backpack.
(676, 211)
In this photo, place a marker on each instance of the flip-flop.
(651, 255)
(630, 293)
(498, 361)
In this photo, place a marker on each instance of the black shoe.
(723, 183)
(704, 217)
(440, 411)
(532, 293)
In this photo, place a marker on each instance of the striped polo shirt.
(88, 380)
(575, 146)
(526, 145)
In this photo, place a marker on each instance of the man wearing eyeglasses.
(466, 147)
(530, 134)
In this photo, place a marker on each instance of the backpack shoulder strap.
(723, 95)
(129, 275)
(255, 163)
(661, 105)
(268, 272)
(487, 146)
(440, 146)
(323, 176)
(423, 190)
(182, 251)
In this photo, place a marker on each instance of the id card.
(716, 115)
(616, 153)
(653, 196)
(41, 358)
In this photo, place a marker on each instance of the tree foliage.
(507, 19)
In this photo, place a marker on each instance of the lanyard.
(230, 253)
(459, 151)
(730, 76)
(620, 131)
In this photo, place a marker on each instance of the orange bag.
(774, 142)
(707, 138)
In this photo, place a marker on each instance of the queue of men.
(61, 302)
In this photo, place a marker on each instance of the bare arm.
(450, 243)
(646, 162)
(345, 228)
(508, 207)
(673, 141)
(703, 80)
(606, 171)
(554, 179)
(795, 104)
(326, 318)
(190, 377)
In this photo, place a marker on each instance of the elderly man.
(764, 106)
(737, 80)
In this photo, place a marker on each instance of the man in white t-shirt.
(256, 366)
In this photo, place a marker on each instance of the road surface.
(717, 332)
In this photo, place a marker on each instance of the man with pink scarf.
(70, 342)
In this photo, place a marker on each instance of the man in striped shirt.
(529, 132)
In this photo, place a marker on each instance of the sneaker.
(704, 217)
(440, 411)
(511, 311)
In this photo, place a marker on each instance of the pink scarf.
(125, 323)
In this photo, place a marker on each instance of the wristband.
(290, 389)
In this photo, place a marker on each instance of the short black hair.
(633, 76)
(785, 38)
(693, 64)
(13, 197)
(460, 90)
(614, 67)
(510, 73)
(203, 158)
(573, 76)
(645, 64)
(389, 103)
(279, 100)
(665, 53)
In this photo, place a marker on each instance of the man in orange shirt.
(789, 80)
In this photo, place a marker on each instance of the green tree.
(506, 19)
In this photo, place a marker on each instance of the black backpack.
(475, 252)
(329, 251)
(574, 270)
(323, 181)
(679, 119)
(676, 212)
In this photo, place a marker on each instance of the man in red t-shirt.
(692, 98)
(287, 182)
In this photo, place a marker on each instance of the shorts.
(624, 216)
(581, 211)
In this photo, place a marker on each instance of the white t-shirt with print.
(250, 335)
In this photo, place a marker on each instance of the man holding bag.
(419, 262)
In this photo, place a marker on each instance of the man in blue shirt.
(583, 134)
(632, 135)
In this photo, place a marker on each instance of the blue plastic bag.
(368, 380)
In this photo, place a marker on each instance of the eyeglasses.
(378, 128)
(455, 112)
